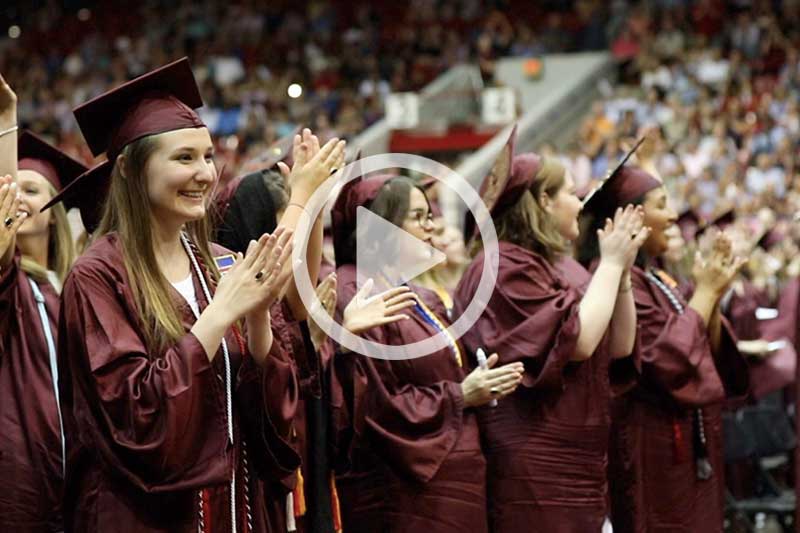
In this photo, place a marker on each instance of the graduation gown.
(148, 445)
(311, 499)
(652, 471)
(777, 370)
(546, 443)
(31, 478)
(410, 450)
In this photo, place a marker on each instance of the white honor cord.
(228, 391)
(291, 525)
(51, 350)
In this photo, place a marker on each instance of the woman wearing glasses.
(406, 428)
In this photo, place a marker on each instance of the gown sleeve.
(9, 283)
(267, 397)
(532, 317)
(676, 353)
(157, 418)
(412, 427)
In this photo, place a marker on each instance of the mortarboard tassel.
(299, 495)
(336, 510)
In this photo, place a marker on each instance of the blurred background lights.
(295, 90)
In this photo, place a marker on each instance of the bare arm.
(595, 311)
(8, 119)
(619, 243)
(715, 329)
(312, 166)
(704, 301)
(8, 153)
(210, 328)
(259, 335)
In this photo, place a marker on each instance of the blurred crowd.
(248, 60)
(716, 85)
(717, 80)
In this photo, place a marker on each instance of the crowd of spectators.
(344, 57)
(718, 87)
(718, 80)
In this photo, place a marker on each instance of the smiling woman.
(689, 367)
(407, 432)
(188, 414)
(181, 174)
(31, 275)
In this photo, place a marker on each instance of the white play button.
(389, 255)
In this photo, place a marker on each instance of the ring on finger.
(259, 275)
(8, 221)
(494, 390)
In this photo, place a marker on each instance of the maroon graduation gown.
(777, 370)
(652, 471)
(415, 463)
(308, 429)
(31, 479)
(546, 443)
(148, 449)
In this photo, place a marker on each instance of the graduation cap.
(722, 218)
(770, 238)
(427, 184)
(355, 193)
(496, 190)
(689, 223)
(58, 168)
(160, 101)
(157, 102)
(624, 184)
(87, 192)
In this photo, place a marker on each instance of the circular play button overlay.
(371, 230)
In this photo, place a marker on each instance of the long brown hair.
(526, 223)
(128, 206)
(60, 248)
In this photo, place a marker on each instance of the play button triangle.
(388, 254)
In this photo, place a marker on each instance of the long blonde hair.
(128, 206)
(60, 248)
(526, 223)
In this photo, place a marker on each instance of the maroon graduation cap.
(160, 101)
(624, 184)
(33, 153)
(501, 187)
(87, 192)
(427, 184)
(499, 190)
(689, 224)
(771, 237)
(355, 193)
(722, 218)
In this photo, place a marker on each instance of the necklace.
(704, 469)
(431, 318)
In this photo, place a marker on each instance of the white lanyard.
(226, 355)
(51, 349)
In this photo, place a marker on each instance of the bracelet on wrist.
(295, 204)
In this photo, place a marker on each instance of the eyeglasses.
(421, 217)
